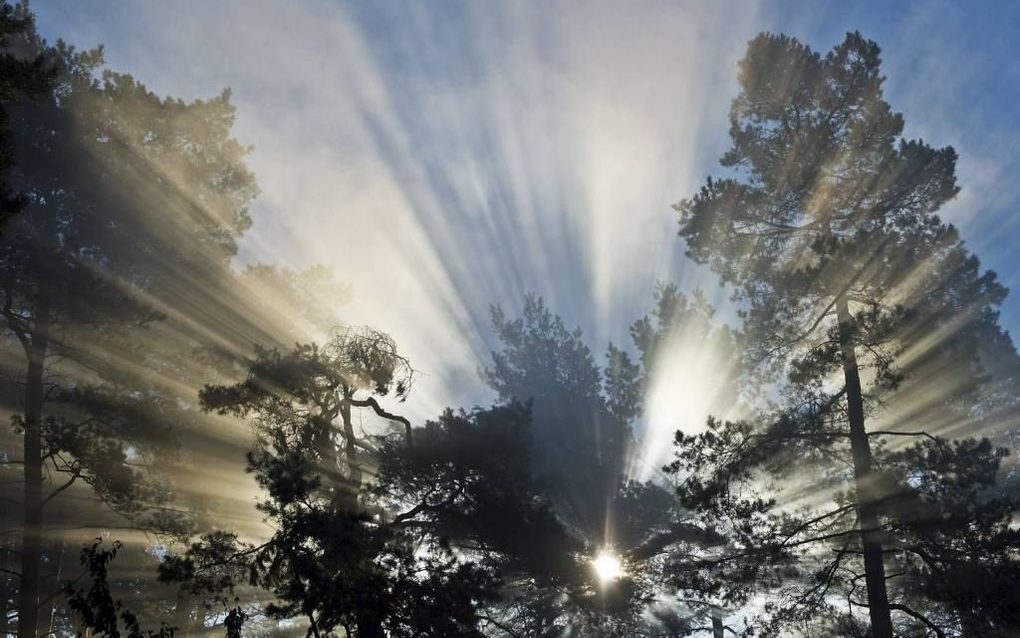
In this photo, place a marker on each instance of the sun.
(607, 566)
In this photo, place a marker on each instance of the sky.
(445, 156)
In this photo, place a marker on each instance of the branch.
(823, 315)
(63, 487)
(14, 320)
(806, 333)
(891, 433)
(808, 523)
(785, 545)
(660, 542)
(370, 402)
(236, 555)
(424, 505)
(931, 561)
(710, 629)
(910, 612)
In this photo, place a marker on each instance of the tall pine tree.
(120, 190)
(849, 283)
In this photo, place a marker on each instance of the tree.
(690, 367)
(101, 165)
(338, 557)
(456, 533)
(581, 454)
(849, 283)
(349, 372)
(581, 413)
(693, 361)
(99, 611)
(468, 480)
(20, 78)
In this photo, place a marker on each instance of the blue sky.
(444, 156)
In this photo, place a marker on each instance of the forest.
(198, 444)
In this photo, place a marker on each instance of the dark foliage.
(98, 611)
(870, 307)
(580, 413)
(21, 76)
(336, 558)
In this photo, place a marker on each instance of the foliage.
(20, 77)
(97, 610)
(579, 440)
(104, 172)
(868, 304)
(580, 413)
(332, 560)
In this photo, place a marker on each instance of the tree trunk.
(31, 543)
(717, 624)
(182, 614)
(350, 448)
(8, 560)
(57, 547)
(5, 597)
(860, 447)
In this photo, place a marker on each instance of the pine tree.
(340, 557)
(21, 77)
(581, 459)
(581, 412)
(99, 165)
(849, 284)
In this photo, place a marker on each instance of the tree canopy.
(827, 230)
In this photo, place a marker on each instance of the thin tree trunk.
(62, 543)
(860, 447)
(7, 584)
(31, 544)
(350, 449)
(717, 624)
(5, 597)
(182, 614)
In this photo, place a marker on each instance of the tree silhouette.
(99, 611)
(338, 557)
(468, 480)
(580, 445)
(491, 551)
(97, 162)
(580, 413)
(827, 231)
(349, 372)
(20, 78)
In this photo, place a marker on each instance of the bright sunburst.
(607, 566)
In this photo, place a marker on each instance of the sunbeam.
(373, 319)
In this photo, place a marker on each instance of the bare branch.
(891, 433)
(54, 493)
(370, 402)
